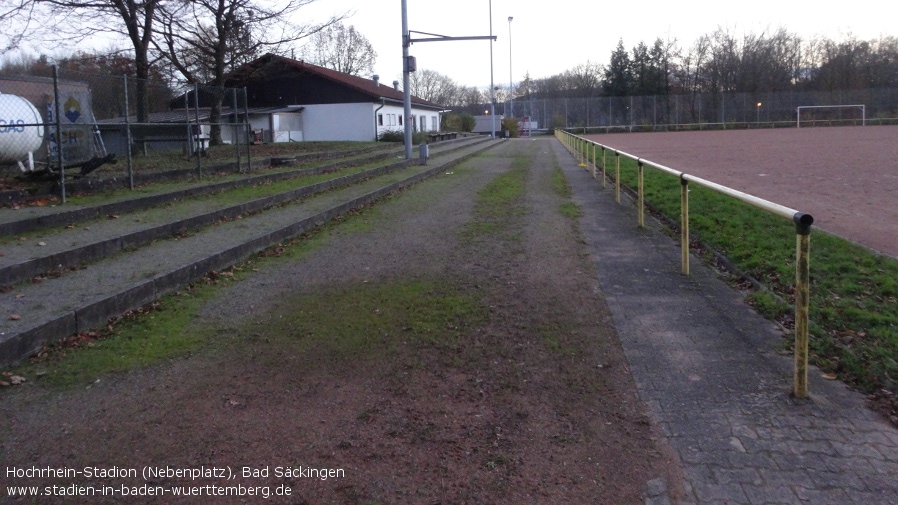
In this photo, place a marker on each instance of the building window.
(380, 120)
(433, 123)
(423, 123)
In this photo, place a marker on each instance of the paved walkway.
(706, 366)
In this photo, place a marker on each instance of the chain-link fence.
(123, 131)
(710, 111)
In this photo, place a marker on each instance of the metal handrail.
(581, 148)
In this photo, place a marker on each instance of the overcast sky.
(549, 37)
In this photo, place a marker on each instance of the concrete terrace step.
(66, 248)
(27, 219)
(87, 298)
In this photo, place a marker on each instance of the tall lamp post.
(492, 85)
(510, 79)
(758, 116)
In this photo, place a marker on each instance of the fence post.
(199, 130)
(641, 194)
(236, 130)
(802, 300)
(684, 224)
(595, 148)
(249, 159)
(128, 138)
(58, 126)
(617, 177)
(603, 168)
(581, 144)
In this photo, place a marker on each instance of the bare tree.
(341, 48)
(79, 20)
(20, 13)
(205, 39)
(438, 88)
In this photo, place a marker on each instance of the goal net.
(830, 115)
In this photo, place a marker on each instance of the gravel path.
(536, 405)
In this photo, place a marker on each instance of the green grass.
(171, 327)
(151, 335)
(500, 202)
(563, 189)
(854, 292)
(361, 322)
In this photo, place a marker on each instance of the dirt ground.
(846, 177)
(503, 415)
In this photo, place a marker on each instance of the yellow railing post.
(595, 148)
(603, 167)
(802, 301)
(617, 177)
(684, 224)
(641, 195)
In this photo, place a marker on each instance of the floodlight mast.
(406, 95)
(407, 41)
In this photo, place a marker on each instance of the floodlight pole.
(407, 41)
(492, 86)
(406, 94)
(510, 78)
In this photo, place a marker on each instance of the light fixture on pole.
(758, 117)
(510, 79)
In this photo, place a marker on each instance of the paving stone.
(830, 496)
(708, 367)
(717, 493)
(856, 449)
(737, 475)
(769, 495)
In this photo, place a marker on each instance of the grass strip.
(500, 201)
(854, 291)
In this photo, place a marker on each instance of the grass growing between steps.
(854, 291)
(169, 328)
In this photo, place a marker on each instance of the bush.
(392, 136)
(510, 124)
(398, 136)
(458, 122)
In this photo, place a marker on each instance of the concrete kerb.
(16, 347)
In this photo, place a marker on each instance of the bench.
(439, 137)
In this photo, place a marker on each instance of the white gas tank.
(17, 141)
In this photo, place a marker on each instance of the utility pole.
(510, 78)
(407, 68)
(406, 94)
(492, 85)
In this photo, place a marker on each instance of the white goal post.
(862, 107)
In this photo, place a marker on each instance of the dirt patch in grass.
(448, 351)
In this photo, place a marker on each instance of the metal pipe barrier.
(801, 220)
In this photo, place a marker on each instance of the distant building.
(315, 103)
(485, 123)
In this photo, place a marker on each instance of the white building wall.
(351, 121)
(392, 114)
(345, 121)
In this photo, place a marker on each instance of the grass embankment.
(854, 292)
